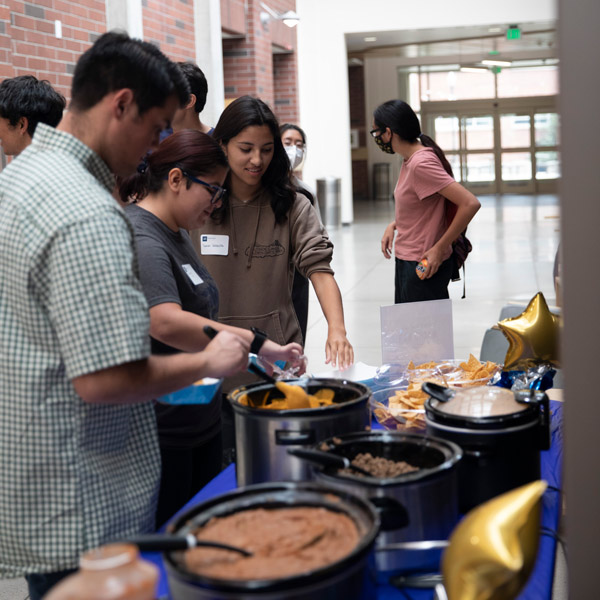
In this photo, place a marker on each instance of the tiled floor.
(514, 243)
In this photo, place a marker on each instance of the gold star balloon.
(492, 551)
(533, 336)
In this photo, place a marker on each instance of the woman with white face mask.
(294, 144)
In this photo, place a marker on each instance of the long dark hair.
(190, 150)
(247, 111)
(402, 120)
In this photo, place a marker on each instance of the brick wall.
(285, 81)
(170, 25)
(251, 67)
(28, 45)
(360, 170)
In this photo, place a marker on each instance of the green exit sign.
(513, 33)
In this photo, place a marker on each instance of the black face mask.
(385, 146)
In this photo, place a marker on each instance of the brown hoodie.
(255, 278)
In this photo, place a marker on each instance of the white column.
(209, 56)
(125, 15)
(579, 52)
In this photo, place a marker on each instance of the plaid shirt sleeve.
(95, 301)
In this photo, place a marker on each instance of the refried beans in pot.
(284, 542)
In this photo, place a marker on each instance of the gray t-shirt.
(170, 271)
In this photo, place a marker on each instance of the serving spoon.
(327, 459)
(165, 542)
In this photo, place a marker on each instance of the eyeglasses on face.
(376, 132)
(217, 191)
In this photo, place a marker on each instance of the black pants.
(39, 584)
(185, 471)
(409, 288)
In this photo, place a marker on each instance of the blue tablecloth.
(539, 586)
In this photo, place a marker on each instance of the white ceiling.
(465, 44)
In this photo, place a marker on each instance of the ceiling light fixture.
(473, 70)
(370, 39)
(289, 18)
(496, 63)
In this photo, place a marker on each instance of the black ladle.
(164, 542)
(211, 332)
(439, 392)
(326, 459)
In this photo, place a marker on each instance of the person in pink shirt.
(424, 195)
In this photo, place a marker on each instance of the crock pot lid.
(480, 402)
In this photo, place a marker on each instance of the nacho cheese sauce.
(284, 542)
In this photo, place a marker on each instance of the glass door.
(479, 161)
(468, 143)
(509, 146)
(516, 153)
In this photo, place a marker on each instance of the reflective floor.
(514, 239)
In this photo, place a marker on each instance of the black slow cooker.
(346, 579)
(501, 434)
(416, 506)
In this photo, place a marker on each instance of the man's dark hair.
(115, 62)
(26, 96)
(197, 82)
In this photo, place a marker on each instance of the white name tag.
(194, 277)
(214, 244)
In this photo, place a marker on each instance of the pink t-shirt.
(420, 209)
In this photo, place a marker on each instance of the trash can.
(381, 181)
(329, 195)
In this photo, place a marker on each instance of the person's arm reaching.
(183, 330)
(338, 349)
(143, 380)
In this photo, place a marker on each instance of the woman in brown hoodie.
(263, 230)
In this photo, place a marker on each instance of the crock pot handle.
(285, 437)
(439, 392)
(393, 514)
(528, 396)
(545, 418)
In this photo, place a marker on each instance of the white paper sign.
(417, 331)
(214, 244)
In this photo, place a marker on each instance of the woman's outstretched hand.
(338, 350)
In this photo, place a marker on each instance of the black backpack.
(460, 247)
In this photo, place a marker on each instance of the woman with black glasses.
(176, 190)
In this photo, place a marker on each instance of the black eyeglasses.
(376, 132)
(217, 191)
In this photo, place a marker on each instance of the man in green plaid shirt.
(80, 460)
